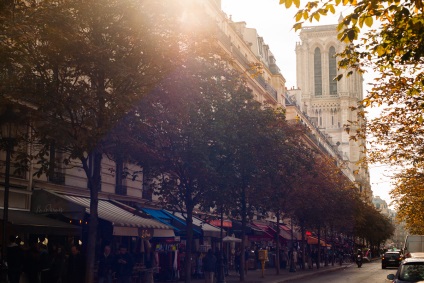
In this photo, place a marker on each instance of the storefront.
(28, 225)
(116, 225)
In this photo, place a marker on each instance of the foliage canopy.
(385, 37)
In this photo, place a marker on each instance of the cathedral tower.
(326, 101)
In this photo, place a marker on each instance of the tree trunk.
(319, 247)
(94, 183)
(243, 234)
(277, 247)
(187, 259)
(302, 230)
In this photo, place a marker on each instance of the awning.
(31, 223)
(314, 241)
(124, 223)
(225, 223)
(207, 229)
(267, 232)
(178, 224)
(231, 239)
(286, 233)
(119, 217)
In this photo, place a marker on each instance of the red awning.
(314, 241)
(267, 232)
(217, 223)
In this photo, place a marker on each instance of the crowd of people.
(39, 263)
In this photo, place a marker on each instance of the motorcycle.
(359, 260)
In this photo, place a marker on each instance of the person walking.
(124, 264)
(106, 261)
(237, 261)
(76, 266)
(209, 266)
(14, 259)
(284, 258)
(246, 260)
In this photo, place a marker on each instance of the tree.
(251, 130)
(283, 162)
(181, 122)
(81, 67)
(409, 197)
(393, 50)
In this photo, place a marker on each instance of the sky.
(274, 23)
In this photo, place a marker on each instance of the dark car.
(410, 270)
(391, 259)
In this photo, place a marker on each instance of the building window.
(120, 188)
(332, 70)
(317, 71)
(56, 172)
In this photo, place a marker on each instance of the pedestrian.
(199, 266)
(284, 258)
(124, 264)
(58, 264)
(45, 261)
(209, 266)
(76, 266)
(31, 265)
(237, 261)
(300, 259)
(106, 261)
(294, 259)
(246, 260)
(14, 259)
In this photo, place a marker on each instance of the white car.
(410, 270)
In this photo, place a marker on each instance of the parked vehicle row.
(411, 265)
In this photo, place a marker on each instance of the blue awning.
(167, 218)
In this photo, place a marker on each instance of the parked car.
(410, 270)
(391, 259)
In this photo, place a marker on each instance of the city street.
(369, 272)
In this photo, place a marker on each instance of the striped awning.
(116, 215)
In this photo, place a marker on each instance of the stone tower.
(328, 102)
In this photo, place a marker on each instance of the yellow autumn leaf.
(331, 8)
(288, 3)
(338, 2)
(369, 21)
(299, 16)
(316, 17)
(296, 3)
(380, 50)
(361, 21)
(297, 26)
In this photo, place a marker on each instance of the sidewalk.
(255, 276)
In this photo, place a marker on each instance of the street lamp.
(7, 138)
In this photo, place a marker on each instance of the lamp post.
(6, 136)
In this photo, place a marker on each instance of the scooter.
(359, 260)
